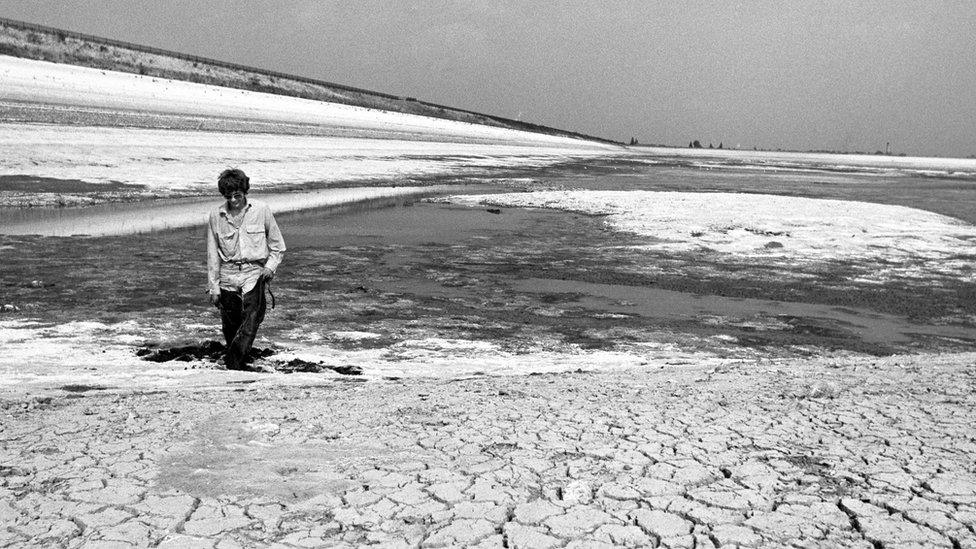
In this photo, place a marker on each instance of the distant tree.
(691, 145)
(720, 144)
(710, 146)
(696, 144)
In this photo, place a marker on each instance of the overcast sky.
(794, 74)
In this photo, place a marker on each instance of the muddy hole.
(213, 351)
(210, 351)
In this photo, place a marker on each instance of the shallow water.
(518, 280)
(450, 258)
(400, 222)
(160, 215)
(758, 314)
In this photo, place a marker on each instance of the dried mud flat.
(853, 452)
(735, 420)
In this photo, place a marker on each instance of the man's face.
(235, 200)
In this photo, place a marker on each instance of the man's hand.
(267, 274)
(214, 299)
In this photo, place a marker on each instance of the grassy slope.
(48, 44)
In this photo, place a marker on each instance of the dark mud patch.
(212, 351)
(304, 366)
(208, 350)
(35, 184)
(72, 388)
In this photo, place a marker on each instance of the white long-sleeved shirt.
(252, 237)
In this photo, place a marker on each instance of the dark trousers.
(240, 316)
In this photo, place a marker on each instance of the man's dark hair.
(233, 180)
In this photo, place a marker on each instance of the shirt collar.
(223, 208)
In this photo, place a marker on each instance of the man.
(244, 247)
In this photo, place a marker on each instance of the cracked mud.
(832, 453)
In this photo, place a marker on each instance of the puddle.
(407, 224)
(755, 314)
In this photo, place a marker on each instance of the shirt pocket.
(254, 243)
